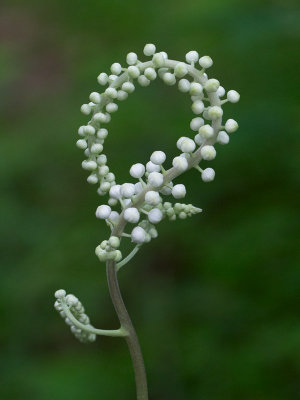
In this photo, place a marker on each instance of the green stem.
(128, 258)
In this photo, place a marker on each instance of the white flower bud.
(81, 131)
(114, 242)
(102, 78)
(128, 87)
(122, 95)
(214, 112)
(196, 123)
(127, 190)
(89, 130)
(133, 71)
(92, 179)
(152, 198)
(206, 131)
(180, 70)
(116, 68)
(85, 109)
(102, 133)
(150, 167)
(138, 235)
(192, 56)
(208, 152)
(143, 81)
(71, 300)
(102, 160)
(104, 187)
(184, 85)
(196, 89)
(132, 215)
(111, 107)
(112, 202)
(231, 125)
(59, 294)
(103, 211)
(233, 96)
(180, 163)
(137, 170)
(110, 177)
(103, 170)
(197, 107)
(150, 73)
(187, 145)
(178, 191)
(155, 179)
(158, 157)
(131, 58)
(155, 215)
(138, 187)
(179, 142)
(111, 92)
(205, 62)
(112, 78)
(100, 117)
(208, 175)
(95, 97)
(89, 165)
(81, 144)
(212, 85)
(169, 79)
(114, 216)
(220, 91)
(198, 139)
(96, 148)
(223, 138)
(149, 49)
(158, 60)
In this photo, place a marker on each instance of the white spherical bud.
(131, 58)
(231, 125)
(127, 190)
(150, 167)
(112, 78)
(187, 145)
(100, 117)
(223, 138)
(102, 133)
(112, 202)
(138, 235)
(133, 71)
(111, 92)
(212, 85)
(196, 89)
(208, 175)
(114, 216)
(81, 131)
(150, 73)
(192, 57)
(138, 187)
(152, 198)
(179, 142)
(233, 96)
(102, 78)
(196, 123)
(184, 85)
(114, 242)
(122, 95)
(96, 148)
(89, 130)
(128, 87)
(214, 112)
(131, 215)
(178, 191)
(111, 107)
(180, 163)
(102, 160)
(143, 81)
(81, 144)
(155, 179)
(220, 91)
(197, 107)
(104, 187)
(116, 68)
(85, 109)
(158, 60)
(180, 70)
(169, 79)
(71, 301)
(208, 152)
(206, 131)
(89, 165)
(103, 170)
(95, 97)
(137, 170)
(158, 157)
(205, 62)
(198, 139)
(155, 215)
(59, 294)
(103, 211)
(149, 49)
(92, 179)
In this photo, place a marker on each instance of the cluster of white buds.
(141, 202)
(65, 304)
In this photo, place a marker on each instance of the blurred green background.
(215, 299)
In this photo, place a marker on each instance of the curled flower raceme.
(140, 205)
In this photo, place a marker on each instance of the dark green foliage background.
(215, 299)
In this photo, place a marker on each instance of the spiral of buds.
(142, 203)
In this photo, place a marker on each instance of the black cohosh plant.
(141, 205)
